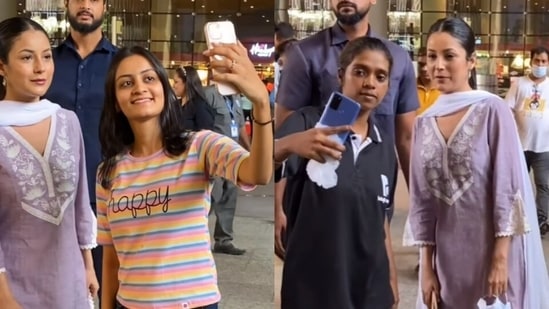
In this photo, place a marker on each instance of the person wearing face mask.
(528, 98)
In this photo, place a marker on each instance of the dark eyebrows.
(445, 50)
(377, 70)
(359, 66)
(129, 75)
(26, 50)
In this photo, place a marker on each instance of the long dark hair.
(115, 133)
(462, 32)
(193, 86)
(10, 30)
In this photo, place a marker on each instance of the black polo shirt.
(310, 76)
(79, 85)
(335, 254)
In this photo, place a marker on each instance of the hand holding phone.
(222, 32)
(339, 111)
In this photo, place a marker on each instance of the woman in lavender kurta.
(46, 223)
(472, 207)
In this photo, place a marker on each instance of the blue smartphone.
(340, 111)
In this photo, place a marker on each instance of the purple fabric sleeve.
(294, 91)
(509, 215)
(84, 216)
(408, 100)
(422, 212)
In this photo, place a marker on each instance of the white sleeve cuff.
(88, 247)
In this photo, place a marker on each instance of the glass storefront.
(308, 17)
(505, 31)
(172, 29)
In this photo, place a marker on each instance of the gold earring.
(4, 81)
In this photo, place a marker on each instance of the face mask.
(539, 71)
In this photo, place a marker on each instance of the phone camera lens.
(335, 102)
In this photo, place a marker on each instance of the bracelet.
(262, 123)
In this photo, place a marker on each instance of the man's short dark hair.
(284, 31)
(282, 47)
(538, 50)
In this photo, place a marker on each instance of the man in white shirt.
(528, 97)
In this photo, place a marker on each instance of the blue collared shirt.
(79, 85)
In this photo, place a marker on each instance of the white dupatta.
(450, 103)
(25, 114)
(537, 280)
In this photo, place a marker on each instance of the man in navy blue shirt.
(81, 64)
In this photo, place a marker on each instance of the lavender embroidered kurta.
(45, 216)
(464, 193)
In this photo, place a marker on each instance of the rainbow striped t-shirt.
(156, 217)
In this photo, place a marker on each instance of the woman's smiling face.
(139, 92)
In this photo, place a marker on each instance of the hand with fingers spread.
(314, 144)
(235, 67)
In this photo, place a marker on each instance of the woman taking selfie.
(46, 221)
(339, 251)
(472, 207)
(153, 190)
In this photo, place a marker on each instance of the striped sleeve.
(223, 156)
(104, 237)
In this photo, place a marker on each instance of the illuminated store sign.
(262, 50)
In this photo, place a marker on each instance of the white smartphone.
(221, 32)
